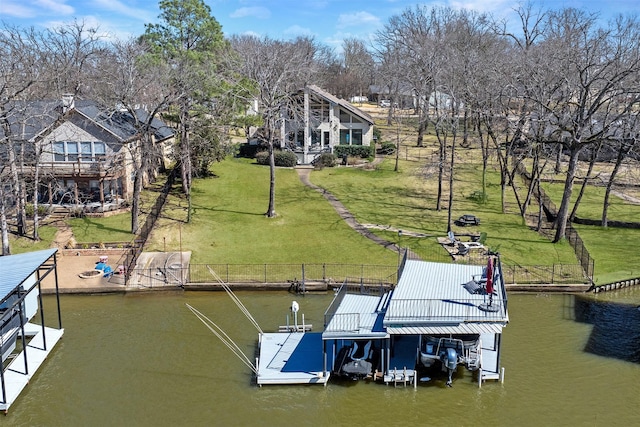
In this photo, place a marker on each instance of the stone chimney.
(67, 102)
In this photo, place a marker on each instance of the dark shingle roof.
(30, 119)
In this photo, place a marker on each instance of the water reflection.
(616, 328)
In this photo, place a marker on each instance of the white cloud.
(485, 6)
(55, 6)
(297, 30)
(256, 12)
(124, 9)
(357, 19)
(22, 9)
(9, 8)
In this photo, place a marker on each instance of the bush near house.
(325, 160)
(362, 151)
(281, 158)
(387, 148)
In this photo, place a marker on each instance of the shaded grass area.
(614, 251)
(24, 244)
(229, 226)
(592, 201)
(116, 228)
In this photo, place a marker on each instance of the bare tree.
(278, 70)
(141, 87)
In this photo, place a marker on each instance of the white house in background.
(327, 121)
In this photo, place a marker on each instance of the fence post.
(553, 273)
(303, 289)
(265, 273)
(227, 273)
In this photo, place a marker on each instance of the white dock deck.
(15, 379)
(291, 358)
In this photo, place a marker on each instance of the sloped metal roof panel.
(431, 294)
(356, 316)
(15, 269)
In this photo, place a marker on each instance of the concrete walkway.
(305, 171)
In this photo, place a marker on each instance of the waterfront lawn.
(407, 201)
(614, 251)
(228, 224)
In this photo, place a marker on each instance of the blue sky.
(329, 21)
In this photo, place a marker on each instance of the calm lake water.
(145, 360)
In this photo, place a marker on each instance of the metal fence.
(283, 273)
(370, 278)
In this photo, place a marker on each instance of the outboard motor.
(449, 359)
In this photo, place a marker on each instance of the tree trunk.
(442, 158)
(451, 166)
(622, 154)
(422, 126)
(572, 215)
(4, 229)
(563, 211)
(36, 217)
(271, 210)
(135, 203)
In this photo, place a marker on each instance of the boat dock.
(291, 358)
(16, 376)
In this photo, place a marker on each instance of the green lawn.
(407, 200)
(228, 223)
(592, 202)
(23, 244)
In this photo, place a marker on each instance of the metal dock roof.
(15, 269)
(431, 298)
(357, 317)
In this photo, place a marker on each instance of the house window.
(344, 136)
(85, 151)
(356, 136)
(72, 151)
(58, 151)
(99, 151)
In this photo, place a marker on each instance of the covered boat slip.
(455, 301)
(20, 289)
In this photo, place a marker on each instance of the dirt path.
(305, 172)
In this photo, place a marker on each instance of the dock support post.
(502, 375)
